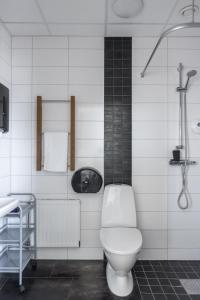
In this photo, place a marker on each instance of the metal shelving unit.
(18, 237)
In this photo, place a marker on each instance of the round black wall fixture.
(87, 180)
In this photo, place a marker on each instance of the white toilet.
(119, 236)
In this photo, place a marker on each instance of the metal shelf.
(18, 247)
(181, 162)
(9, 260)
(26, 208)
(10, 236)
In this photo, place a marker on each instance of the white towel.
(55, 151)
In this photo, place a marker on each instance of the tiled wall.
(5, 79)
(169, 233)
(59, 67)
(55, 68)
(117, 110)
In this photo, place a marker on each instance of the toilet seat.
(121, 240)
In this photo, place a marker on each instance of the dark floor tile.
(167, 289)
(140, 274)
(165, 281)
(138, 268)
(171, 297)
(147, 268)
(153, 281)
(147, 297)
(37, 288)
(181, 275)
(156, 289)
(175, 282)
(192, 275)
(145, 289)
(195, 297)
(150, 274)
(79, 268)
(179, 290)
(159, 297)
(184, 297)
(142, 281)
(44, 269)
(2, 282)
(171, 275)
(161, 275)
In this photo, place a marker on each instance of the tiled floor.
(74, 280)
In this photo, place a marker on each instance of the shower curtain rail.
(164, 34)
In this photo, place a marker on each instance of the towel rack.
(40, 101)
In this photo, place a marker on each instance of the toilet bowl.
(120, 238)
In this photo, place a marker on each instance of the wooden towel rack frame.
(39, 131)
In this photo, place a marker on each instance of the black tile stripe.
(118, 110)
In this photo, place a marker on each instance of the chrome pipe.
(164, 34)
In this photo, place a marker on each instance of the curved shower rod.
(164, 34)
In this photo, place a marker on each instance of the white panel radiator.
(58, 223)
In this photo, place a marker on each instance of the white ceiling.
(88, 17)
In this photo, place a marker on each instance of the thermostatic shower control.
(196, 126)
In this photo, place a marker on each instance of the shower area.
(166, 143)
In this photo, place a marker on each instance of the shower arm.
(164, 34)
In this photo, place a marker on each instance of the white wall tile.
(88, 76)
(50, 91)
(21, 42)
(140, 57)
(90, 112)
(190, 58)
(86, 58)
(156, 75)
(50, 57)
(152, 220)
(88, 93)
(21, 148)
(90, 239)
(90, 130)
(154, 239)
(89, 148)
(21, 75)
(22, 57)
(85, 253)
(21, 93)
(149, 166)
(90, 220)
(86, 43)
(151, 202)
(20, 166)
(149, 93)
(51, 75)
(49, 184)
(149, 130)
(149, 111)
(149, 184)
(21, 129)
(149, 148)
(21, 111)
(54, 42)
(21, 184)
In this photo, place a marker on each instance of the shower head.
(189, 75)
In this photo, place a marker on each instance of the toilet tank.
(118, 206)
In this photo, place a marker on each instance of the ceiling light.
(127, 8)
(188, 11)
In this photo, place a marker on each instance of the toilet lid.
(121, 240)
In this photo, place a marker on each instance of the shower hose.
(184, 168)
